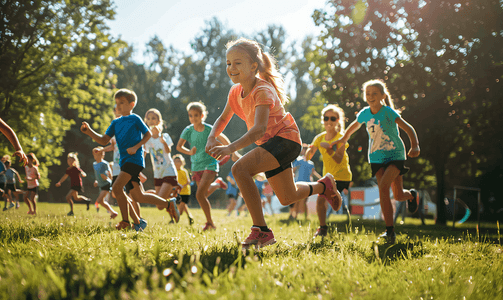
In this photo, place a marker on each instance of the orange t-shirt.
(280, 123)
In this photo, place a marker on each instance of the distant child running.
(304, 170)
(32, 177)
(75, 173)
(12, 137)
(131, 134)
(259, 100)
(184, 183)
(204, 167)
(159, 147)
(386, 151)
(103, 179)
(10, 187)
(335, 160)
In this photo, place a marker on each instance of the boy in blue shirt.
(131, 134)
(103, 180)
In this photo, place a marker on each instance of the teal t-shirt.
(201, 160)
(385, 144)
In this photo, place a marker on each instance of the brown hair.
(200, 107)
(74, 156)
(381, 85)
(267, 69)
(35, 160)
(128, 94)
(180, 157)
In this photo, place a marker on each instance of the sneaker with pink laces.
(209, 226)
(258, 238)
(222, 183)
(331, 193)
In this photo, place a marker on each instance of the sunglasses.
(333, 119)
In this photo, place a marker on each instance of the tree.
(432, 63)
(54, 58)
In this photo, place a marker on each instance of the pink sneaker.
(222, 183)
(209, 226)
(224, 160)
(258, 238)
(331, 193)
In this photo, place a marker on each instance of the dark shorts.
(229, 196)
(114, 178)
(341, 185)
(198, 175)
(10, 186)
(185, 198)
(285, 151)
(400, 164)
(171, 180)
(76, 188)
(106, 187)
(133, 170)
(35, 189)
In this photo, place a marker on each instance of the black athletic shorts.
(400, 164)
(285, 151)
(185, 198)
(133, 170)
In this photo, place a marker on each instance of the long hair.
(267, 69)
(342, 117)
(158, 114)
(381, 85)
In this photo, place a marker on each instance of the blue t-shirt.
(128, 131)
(304, 169)
(102, 168)
(385, 144)
(201, 160)
(232, 189)
(2, 176)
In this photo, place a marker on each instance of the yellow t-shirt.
(183, 178)
(340, 171)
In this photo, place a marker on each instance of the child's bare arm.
(100, 139)
(353, 127)
(414, 148)
(58, 184)
(180, 147)
(167, 148)
(310, 152)
(146, 137)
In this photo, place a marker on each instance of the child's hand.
(21, 181)
(131, 150)
(84, 127)
(57, 183)
(193, 150)
(219, 152)
(414, 151)
(22, 157)
(95, 184)
(210, 144)
(325, 145)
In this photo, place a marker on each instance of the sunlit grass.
(52, 256)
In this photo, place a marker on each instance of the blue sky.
(177, 22)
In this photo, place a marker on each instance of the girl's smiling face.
(178, 163)
(70, 161)
(152, 120)
(195, 117)
(240, 67)
(373, 96)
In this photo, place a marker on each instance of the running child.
(335, 160)
(304, 170)
(258, 97)
(75, 173)
(159, 147)
(3, 179)
(131, 134)
(32, 177)
(103, 179)
(184, 183)
(204, 167)
(10, 187)
(386, 151)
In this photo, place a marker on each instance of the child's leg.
(232, 205)
(384, 180)
(213, 187)
(321, 209)
(398, 192)
(123, 200)
(101, 200)
(78, 197)
(288, 192)
(69, 197)
(140, 196)
(33, 202)
(27, 201)
(202, 194)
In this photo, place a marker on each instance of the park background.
(442, 60)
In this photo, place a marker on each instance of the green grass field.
(52, 256)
